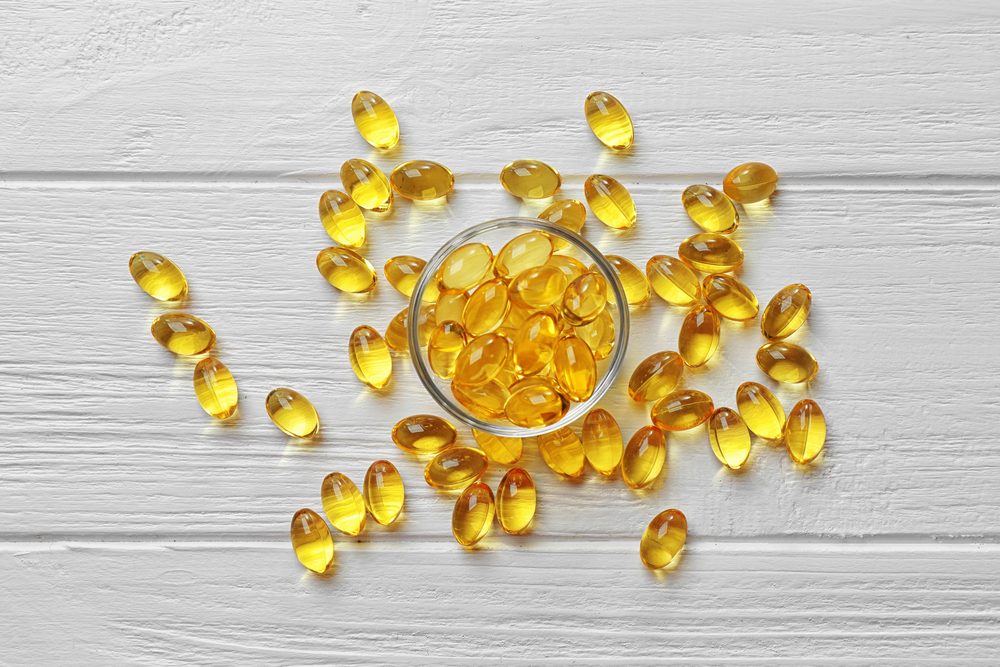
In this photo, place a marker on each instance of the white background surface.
(132, 528)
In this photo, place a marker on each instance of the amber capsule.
(656, 376)
(633, 280)
(343, 503)
(698, 338)
(384, 492)
(682, 409)
(663, 538)
(426, 321)
(530, 179)
(370, 358)
(673, 280)
(599, 334)
(805, 432)
(750, 182)
(562, 452)
(157, 276)
(292, 412)
(729, 437)
(610, 201)
(571, 267)
(183, 333)
(602, 441)
(609, 120)
(346, 270)
(585, 298)
(485, 401)
(761, 410)
(472, 518)
(215, 388)
(515, 501)
(502, 449)
(375, 119)
(534, 343)
(486, 308)
(450, 306)
(396, 336)
(423, 434)
(403, 272)
(422, 180)
(481, 359)
(786, 362)
(342, 218)
(710, 209)
(645, 454)
(730, 297)
(466, 266)
(455, 468)
(575, 368)
(447, 341)
(366, 184)
(522, 252)
(711, 253)
(537, 404)
(569, 214)
(312, 541)
(538, 287)
(786, 312)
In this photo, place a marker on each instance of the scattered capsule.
(486, 308)
(450, 306)
(423, 434)
(485, 401)
(571, 267)
(396, 336)
(375, 119)
(522, 252)
(750, 182)
(292, 412)
(530, 179)
(805, 432)
(466, 266)
(422, 180)
(455, 468)
(698, 338)
(569, 214)
(602, 441)
(183, 333)
(599, 334)
(472, 518)
(632, 279)
(502, 449)
(343, 504)
(609, 120)
(370, 358)
(656, 376)
(645, 454)
(585, 298)
(786, 312)
(673, 280)
(516, 499)
(681, 410)
(384, 493)
(729, 437)
(312, 541)
(366, 184)
(346, 270)
(342, 219)
(534, 343)
(610, 201)
(481, 359)
(663, 538)
(538, 404)
(786, 362)
(157, 276)
(215, 388)
(761, 410)
(730, 297)
(575, 368)
(711, 253)
(443, 348)
(538, 287)
(710, 209)
(562, 452)
(403, 272)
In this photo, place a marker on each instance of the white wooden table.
(132, 528)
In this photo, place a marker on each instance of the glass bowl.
(495, 233)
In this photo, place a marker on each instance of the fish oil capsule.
(761, 410)
(215, 388)
(183, 333)
(663, 538)
(602, 441)
(502, 449)
(710, 209)
(645, 454)
(423, 434)
(786, 312)
(403, 272)
(466, 266)
(396, 336)
(443, 348)
(599, 334)
(384, 492)
(346, 270)
(342, 219)
(455, 468)
(585, 298)
(486, 308)
(805, 432)
(515, 501)
(157, 276)
(633, 280)
(538, 287)
(522, 252)
(673, 281)
(472, 518)
(312, 541)
(530, 179)
(698, 338)
(375, 119)
(569, 214)
(562, 452)
(682, 409)
(750, 182)
(609, 120)
(711, 253)
(426, 321)
(729, 437)
(422, 180)
(656, 376)
(343, 504)
(571, 267)
(450, 306)
(610, 201)
(786, 362)
(366, 184)
(538, 404)
(292, 412)
(481, 360)
(370, 357)
(485, 401)
(730, 298)
(575, 368)
(534, 343)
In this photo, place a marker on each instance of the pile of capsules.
(519, 333)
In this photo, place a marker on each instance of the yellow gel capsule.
(569, 214)
(805, 432)
(370, 358)
(761, 410)
(403, 272)
(486, 308)
(645, 454)
(346, 270)
(343, 504)
(485, 401)
(538, 287)
(537, 404)
(384, 492)
(215, 388)
(602, 441)
(183, 333)
(609, 120)
(633, 280)
(682, 409)
(562, 452)
(472, 518)
(729, 437)
(426, 321)
(502, 449)
(422, 180)
(292, 412)
(786, 312)
(157, 276)
(571, 267)
(585, 298)
(710, 209)
(466, 266)
(312, 541)
(786, 362)
(730, 297)
(481, 360)
(663, 538)
(711, 253)
(515, 501)
(522, 252)
(375, 119)
(366, 184)
(698, 338)
(599, 334)
(455, 468)
(750, 182)
(534, 343)
(450, 306)
(342, 219)
(673, 281)
(396, 336)
(610, 201)
(656, 376)
(423, 434)
(443, 348)
(530, 179)
(575, 368)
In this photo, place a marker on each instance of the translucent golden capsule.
(645, 454)
(711, 253)
(698, 338)
(370, 357)
(215, 388)
(466, 266)
(750, 182)
(343, 504)
(423, 434)
(472, 518)
(515, 501)
(485, 401)
(384, 492)
(656, 376)
(342, 219)
(786, 312)
(786, 362)
(571, 267)
(530, 179)
(569, 214)
(562, 452)
(610, 201)
(450, 306)
(292, 413)
(455, 468)
(602, 441)
(481, 360)
(375, 119)
(730, 297)
(599, 334)
(710, 209)
(396, 336)
(366, 184)
(682, 409)
(426, 321)
(447, 341)
(422, 180)
(538, 287)
(346, 270)
(504, 450)
(585, 298)
(522, 252)
(805, 432)
(486, 308)
(538, 404)
(157, 276)
(183, 333)
(761, 410)
(534, 343)
(633, 280)
(312, 541)
(729, 437)
(575, 368)
(609, 120)
(673, 280)
(403, 272)
(663, 538)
